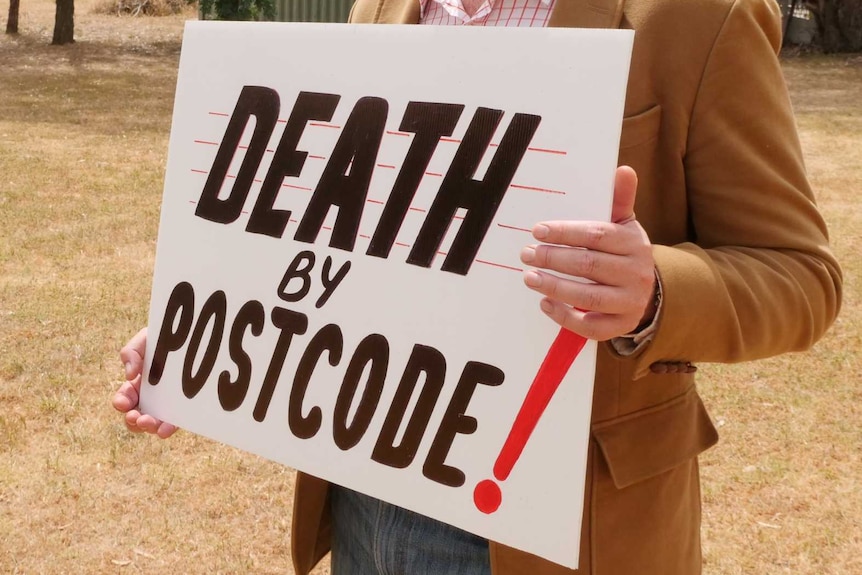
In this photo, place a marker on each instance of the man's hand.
(616, 257)
(127, 397)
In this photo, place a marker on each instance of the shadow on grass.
(109, 84)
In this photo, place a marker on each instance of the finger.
(165, 430)
(625, 192)
(583, 296)
(598, 236)
(591, 325)
(127, 397)
(132, 354)
(138, 422)
(149, 423)
(600, 267)
(131, 421)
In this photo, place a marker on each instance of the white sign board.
(338, 285)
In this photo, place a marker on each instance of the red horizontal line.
(294, 221)
(450, 140)
(515, 228)
(205, 142)
(500, 266)
(327, 228)
(443, 253)
(532, 189)
(364, 237)
(375, 202)
(199, 171)
(219, 114)
(246, 148)
(319, 125)
(281, 122)
(433, 174)
(418, 210)
(391, 133)
(386, 166)
(317, 157)
(402, 245)
(296, 187)
(546, 151)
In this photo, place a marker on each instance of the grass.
(83, 140)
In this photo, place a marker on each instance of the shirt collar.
(455, 8)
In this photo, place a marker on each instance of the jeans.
(370, 537)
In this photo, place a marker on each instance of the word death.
(346, 178)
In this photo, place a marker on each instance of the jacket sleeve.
(758, 277)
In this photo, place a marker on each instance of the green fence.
(312, 10)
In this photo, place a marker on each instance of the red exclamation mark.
(566, 347)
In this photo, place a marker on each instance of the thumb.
(625, 192)
(132, 354)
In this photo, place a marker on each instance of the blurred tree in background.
(839, 24)
(12, 22)
(64, 23)
(828, 25)
(237, 9)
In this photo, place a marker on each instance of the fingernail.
(532, 279)
(528, 254)
(541, 231)
(546, 306)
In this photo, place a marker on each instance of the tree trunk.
(839, 24)
(851, 24)
(64, 23)
(789, 21)
(12, 22)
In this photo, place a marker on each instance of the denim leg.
(371, 537)
(354, 526)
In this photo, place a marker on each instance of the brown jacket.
(740, 248)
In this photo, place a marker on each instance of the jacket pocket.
(640, 128)
(647, 443)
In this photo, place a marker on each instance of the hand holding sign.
(616, 257)
(126, 398)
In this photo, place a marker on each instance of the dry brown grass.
(83, 138)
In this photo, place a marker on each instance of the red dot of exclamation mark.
(487, 496)
(566, 347)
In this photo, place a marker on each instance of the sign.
(338, 285)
